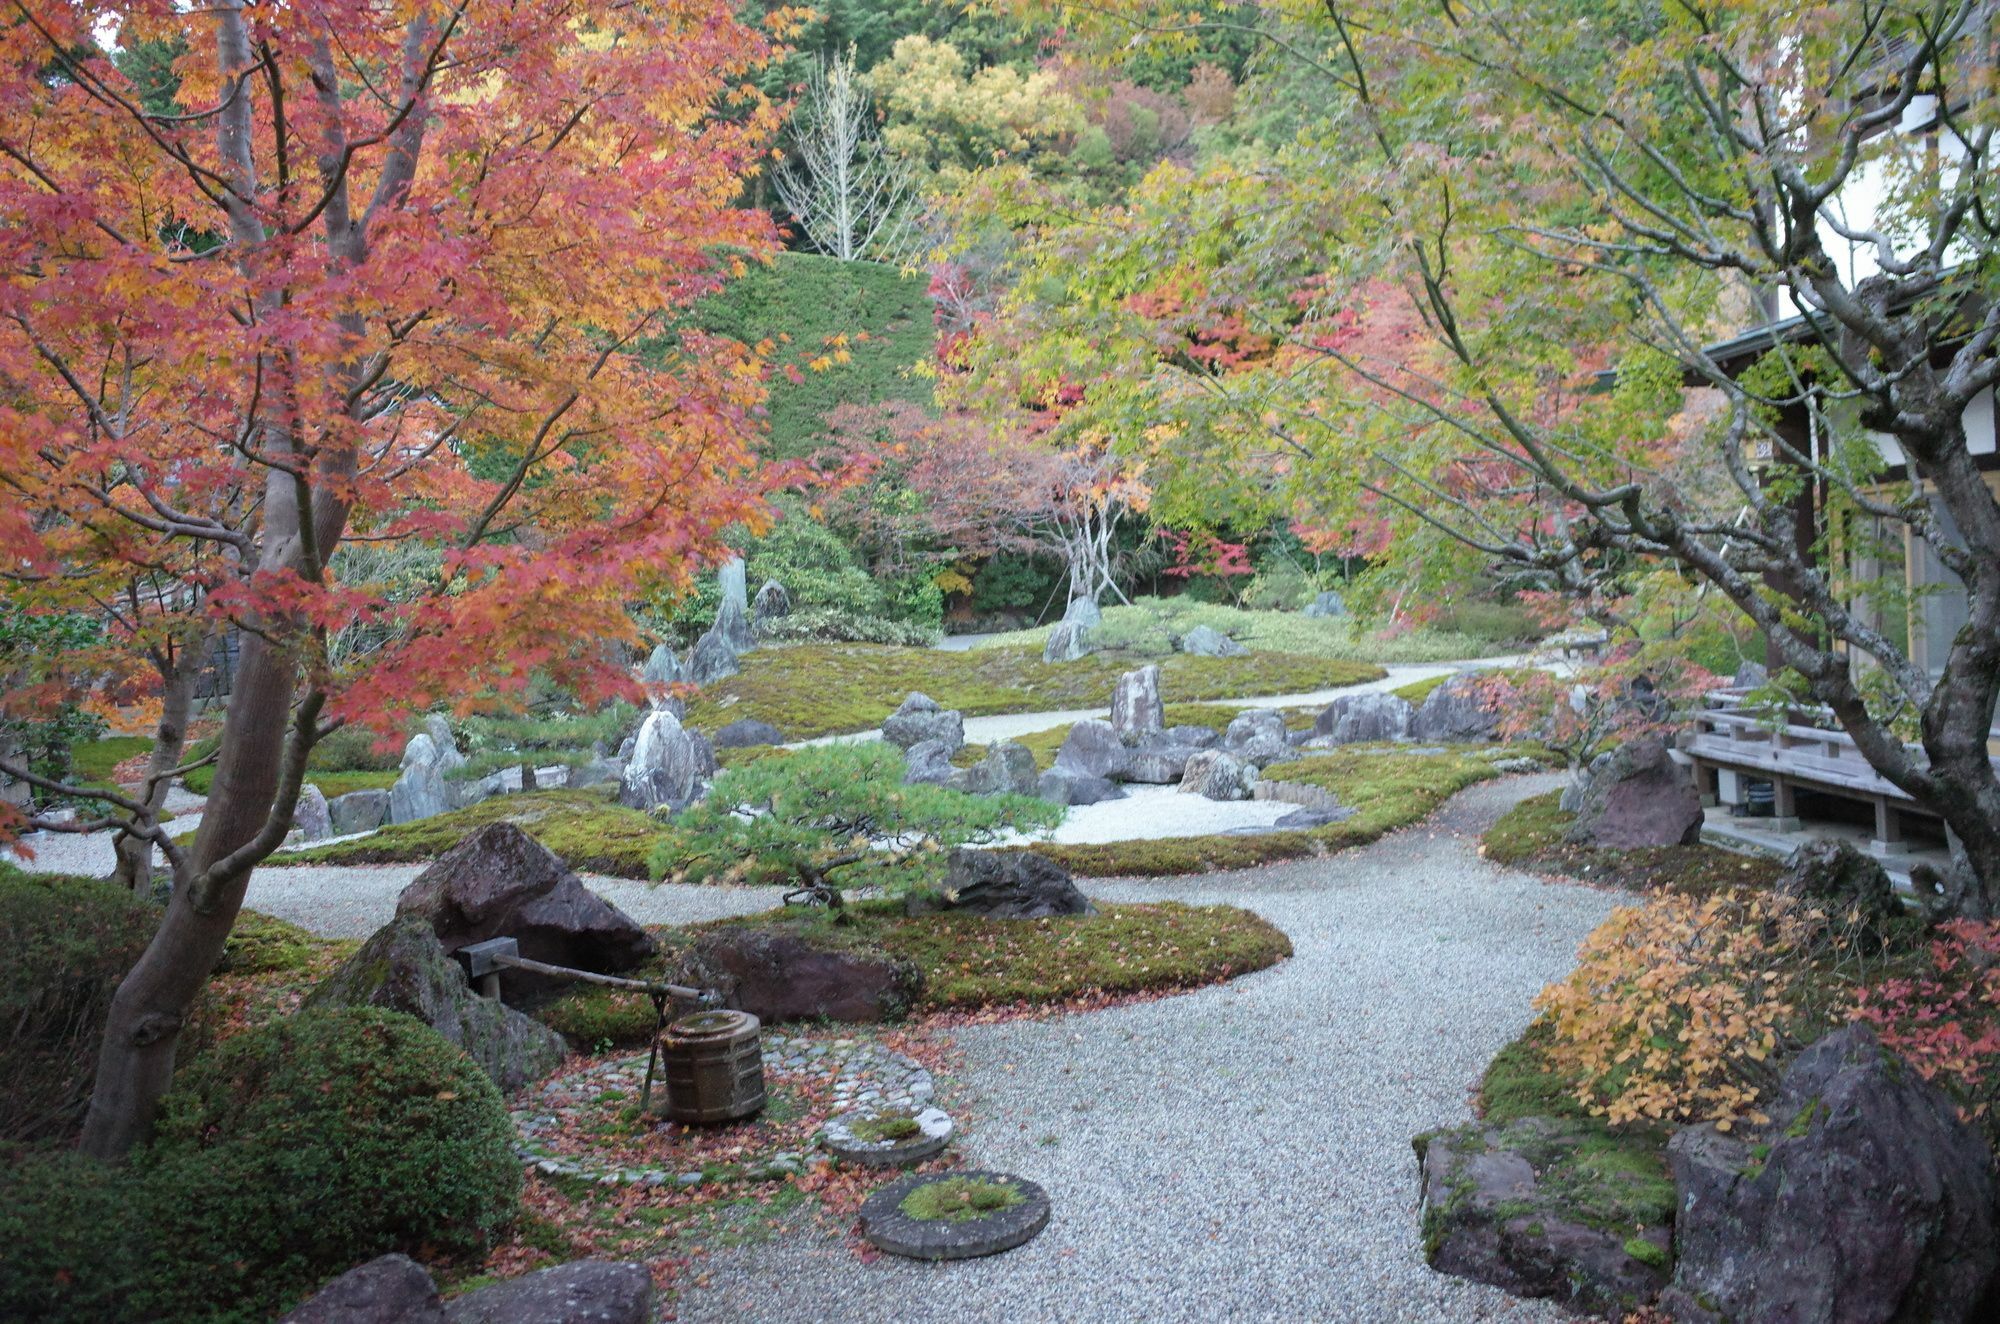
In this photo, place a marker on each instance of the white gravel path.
(1240, 1153)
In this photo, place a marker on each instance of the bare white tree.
(856, 201)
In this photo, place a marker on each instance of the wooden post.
(1784, 806)
(1888, 829)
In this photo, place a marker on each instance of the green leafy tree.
(806, 816)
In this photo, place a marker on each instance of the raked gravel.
(1243, 1152)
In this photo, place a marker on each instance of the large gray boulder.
(312, 816)
(670, 766)
(1011, 885)
(712, 659)
(1160, 759)
(420, 790)
(1218, 775)
(1865, 1200)
(1455, 710)
(928, 763)
(1007, 769)
(1356, 718)
(1068, 642)
(580, 1292)
(390, 1289)
(1136, 709)
(1084, 612)
(1640, 797)
(1062, 786)
(1496, 1209)
(919, 718)
(502, 883)
(1258, 737)
(449, 756)
(1327, 604)
(358, 811)
(663, 667)
(1092, 749)
(404, 967)
(773, 602)
(1207, 641)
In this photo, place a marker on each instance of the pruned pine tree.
(855, 200)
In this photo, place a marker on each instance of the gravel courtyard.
(1242, 1152)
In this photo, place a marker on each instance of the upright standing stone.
(311, 816)
(1136, 709)
(670, 765)
(773, 602)
(663, 666)
(419, 791)
(439, 730)
(1327, 605)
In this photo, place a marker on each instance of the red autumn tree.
(368, 271)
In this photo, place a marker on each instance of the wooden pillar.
(1784, 806)
(1888, 838)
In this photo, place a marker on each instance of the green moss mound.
(261, 944)
(67, 942)
(299, 1149)
(809, 690)
(959, 1200)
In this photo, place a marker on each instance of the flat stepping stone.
(885, 1225)
(933, 1133)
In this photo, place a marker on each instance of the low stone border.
(867, 1075)
(934, 1130)
(886, 1226)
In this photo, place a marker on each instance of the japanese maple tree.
(365, 273)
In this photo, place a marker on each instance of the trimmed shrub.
(68, 943)
(299, 1149)
(71, 1236)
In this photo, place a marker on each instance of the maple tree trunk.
(135, 854)
(136, 1062)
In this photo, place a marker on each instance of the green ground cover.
(1530, 835)
(586, 827)
(809, 690)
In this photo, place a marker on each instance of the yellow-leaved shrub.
(1676, 1007)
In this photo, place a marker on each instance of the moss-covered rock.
(1545, 1207)
(404, 967)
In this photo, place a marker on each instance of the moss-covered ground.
(968, 962)
(809, 690)
(959, 1200)
(1530, 836)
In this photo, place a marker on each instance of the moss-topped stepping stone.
(954, 1215)
(887, 1137)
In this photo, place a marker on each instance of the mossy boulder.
(404, 967)
(781, 972)
(1545, 1207)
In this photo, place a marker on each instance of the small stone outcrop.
(1501, 1206)
(1218, 775)
(1864, 1199)
(1007, 769)
(1136, 708)
(502, 883)
(772, 603)
(358, 811)
(420, 790)
(1092, 749)
(1455, 711)
(746, 733)
(663, 667)
(1011, 885)
(1639, 797)
(580, 1292)
(1084, 612)
(1355, 718)
(712, 659)
(1846, 883)
(1207, 641)
(919, 718)
(404, 967)
(1258, 737)
(1069, 641)
(312, 817)
(1161, 758)
(670, 766)
(778, 975)
(391, 1289)
(1326, 604)
(1061, 786)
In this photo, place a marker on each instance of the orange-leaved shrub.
(1676, 1007)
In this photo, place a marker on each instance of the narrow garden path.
(1241, 1152)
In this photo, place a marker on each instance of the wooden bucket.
(713, 1065)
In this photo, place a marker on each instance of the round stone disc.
(886, 1226)
(934, 1130)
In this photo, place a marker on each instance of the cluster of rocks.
(1455, 711)
(930, 736)
(1137, 746)
(1326, 605)
(395, 1289)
